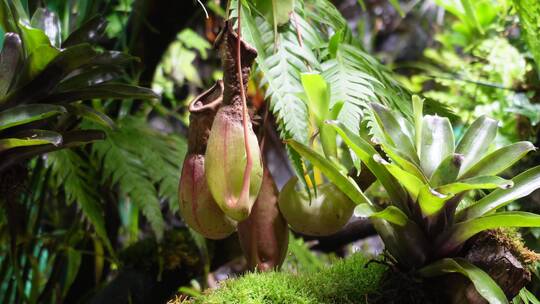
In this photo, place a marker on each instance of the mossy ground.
(348, 281)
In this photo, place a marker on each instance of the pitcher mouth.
(208, 100)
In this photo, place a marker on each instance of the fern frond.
(75, 176)
(145, 165)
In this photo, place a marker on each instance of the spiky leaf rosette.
(426, 175)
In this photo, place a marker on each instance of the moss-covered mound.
(347, 281)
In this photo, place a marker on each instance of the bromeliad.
(426, 176)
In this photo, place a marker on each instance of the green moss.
(347, 281)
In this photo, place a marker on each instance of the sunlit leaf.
(393, 132)
(344, 183)
(365, 152)
(461, 232)
(479, 182)
(412, 183)
(49, 23)
(499, 160)
(391, 214)
(524, 184)
(447, 172)
(476, 140)
(437, 142)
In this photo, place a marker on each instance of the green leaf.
(470, 12)
(483, 283)
(49, 23)
(529, 16)
(281, 68)
(69, 139)
(105, 90)
(89, 77)
(91, 114)
(318, 95)
(418, 107)
(393, 132)
(318, 100)
(462, 231)
(437, 143)
(499, 160)
(406, 165)
(365, 152)
(479, 182)
(89, 32)
(447, 172)
(430, 201)
(391, 214)
(524, 184)
(66, 62)
(32, 38)
(476, 140)
(77, 177)
(412, 183)
(276, 11)
(10, 56)
(73, 265)
(31, 138)
(350, 83)
(24, 114)
(397, 6)
(344, 183)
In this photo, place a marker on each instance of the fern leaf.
(146, 173)
(75, 176)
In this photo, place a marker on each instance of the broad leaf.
(365, 152)
(393, 132)
(31, 138)
(105, 90)
(447, 172)
(49, 23)
(90, 32)
(461, 232)
(412, 183)
(524, 184)
(470, 12)
(63, 64)
(344, 183)
(479, 182)
(476, 140)
(27, 113)
(391, 214)
(499, 160)
(406, 165)
(483, 283)
(418, 107)
(437, 143)
(276, 11)
(91, 114)
(318, 98)
(318, 95)
(9, 60)
(430, 201)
